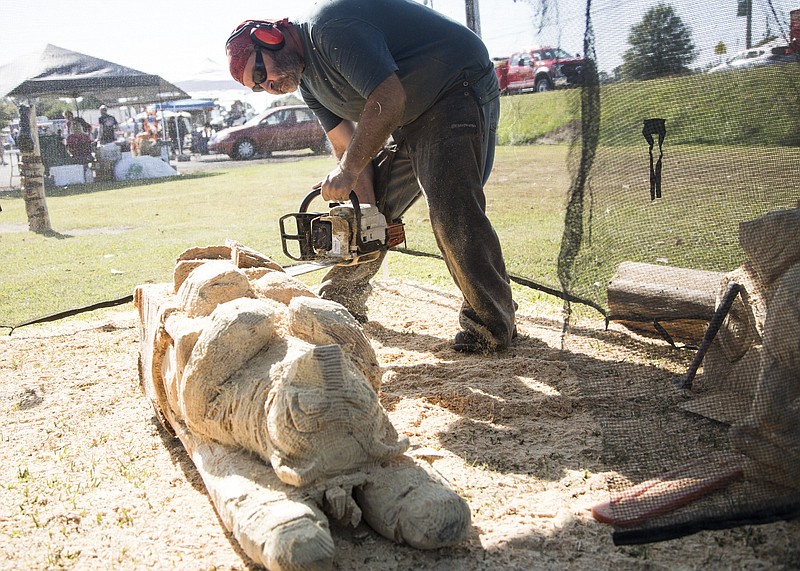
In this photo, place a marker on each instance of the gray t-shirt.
(351, 46)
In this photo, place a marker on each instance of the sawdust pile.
(89, 479)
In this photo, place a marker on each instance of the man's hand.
(337, 185)
(338, 180)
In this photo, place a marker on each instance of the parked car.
(755, 57)
(539, 69)
(277, 129)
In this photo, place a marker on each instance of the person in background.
(107, 127)
(203, 136)
(236, 113)
(396, 69)
(8, 145)
(76, 125)
(79, 143)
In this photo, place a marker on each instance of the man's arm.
(381, 116)
(340, 137)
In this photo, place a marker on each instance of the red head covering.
(239, 45)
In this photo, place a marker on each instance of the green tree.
(53, 108)
(290, 99)
(7, 112)
(661, 45)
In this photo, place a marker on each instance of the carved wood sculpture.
(273, 392)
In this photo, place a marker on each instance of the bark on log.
(681, 300)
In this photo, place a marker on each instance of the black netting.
(685, 187)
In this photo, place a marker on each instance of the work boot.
(466, 342)
(360, 317)
(349, 285)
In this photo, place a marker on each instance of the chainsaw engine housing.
(348, 234)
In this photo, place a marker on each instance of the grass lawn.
(707, 191)
(756, 108)
(111, 237)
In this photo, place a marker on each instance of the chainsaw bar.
(308, 267)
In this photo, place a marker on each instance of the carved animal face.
(324, 419)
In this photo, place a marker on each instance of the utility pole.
(749, 34)
(474, 16)
(745, 8)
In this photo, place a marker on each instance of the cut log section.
(681, 300)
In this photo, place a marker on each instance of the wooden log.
(272, 521)
(146, 299)
(32, 173)
(681, 300)
(276, 403)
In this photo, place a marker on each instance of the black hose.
(520, 280)
(71, 312)
(128, 298)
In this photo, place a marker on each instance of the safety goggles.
(259, 72)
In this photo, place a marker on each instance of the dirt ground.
(90, 480)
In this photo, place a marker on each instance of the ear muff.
(267, 36)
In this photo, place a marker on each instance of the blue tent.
(186, 105)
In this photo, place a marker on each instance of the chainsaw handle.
(317, 191)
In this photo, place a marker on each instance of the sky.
(173, 38)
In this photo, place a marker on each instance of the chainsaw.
(348, 234)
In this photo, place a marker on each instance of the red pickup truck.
(538, 69)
